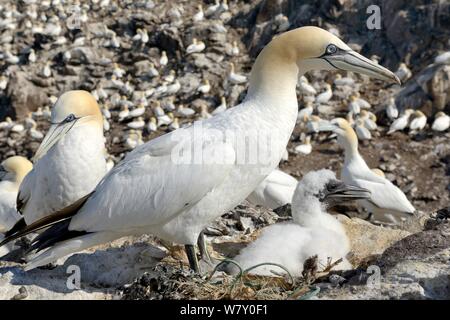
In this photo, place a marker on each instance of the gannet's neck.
(273, 78)
(349, 142)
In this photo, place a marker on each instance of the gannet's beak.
(350, 60)
(345, 192)
(3, 172)
(56, 132)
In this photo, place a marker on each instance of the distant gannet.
(155, 191)
(195, 47)
(391, 109)
(401, 122)
(387, 202)
(313, 230)
(236, 78)
(275, 191)
(304, 148)
(325, 96)
(418, 122)
(441, 122)
(305, 87)
(403, 72)
(70, 160)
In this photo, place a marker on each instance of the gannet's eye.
(331, 48)
(69, 118)
(332, 185)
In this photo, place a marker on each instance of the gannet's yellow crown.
(80, 103)
(19, 166)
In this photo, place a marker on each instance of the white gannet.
(418, 122)
(199, 15)
(137, 124)
(274, 191)
(70, 160)
(403, 72)
(195, 47)
(163, 60)
(204, 87)
(305, 112)
(151, 126)
(185, 112)
(305, 87)
(325, 96)
(387, 202)
(12, 172)
(391, 109)
(369, 120)
(313, 230)
(137, 112)
(441, 122)
(362, 132)
(159, 189)
(353, 106)
(401, 122)
(343, 81)
(305, 147)
(236, 78)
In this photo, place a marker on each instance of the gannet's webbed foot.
(192, 257)
(201, 242)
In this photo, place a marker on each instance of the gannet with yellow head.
(70, 160)
(151, 192)
(387, 202)
(12, 172)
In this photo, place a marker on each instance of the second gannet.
(313, 230)
(70, 160)
(274, 191)
(12, 172)
(401, 122)
(387, 202)
(441, 122)
(418, 122)
(159, 189)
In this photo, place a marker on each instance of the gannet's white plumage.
(387, 202)
(312, 232)
(149, 192)
(441, 122)
(12, 172)
(70, 160)
(275, 191)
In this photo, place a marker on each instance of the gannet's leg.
(192, 257)
(201, 242)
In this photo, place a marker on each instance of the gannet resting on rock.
(441, 122)
(400, 123)
(387, 202)
(275, 191)
(418, 122)
(391, 109)
(154, 191)
(69, 162)
(12, 172)
(313, 230)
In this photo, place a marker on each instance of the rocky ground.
(413, 260)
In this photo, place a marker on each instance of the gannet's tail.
(70, 246)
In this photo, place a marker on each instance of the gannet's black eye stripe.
(71, 117)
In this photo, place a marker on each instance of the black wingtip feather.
(17, 227)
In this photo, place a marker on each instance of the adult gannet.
(387, 202)
(159, 189)
(401, 122)
(418, 122)
(403, 72)
(441, 122)
(70, 160)
(313, 230)
(12, 172)
(274, 191)
(325, 96)
(391, 109)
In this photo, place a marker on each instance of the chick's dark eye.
(332, 186)
(331, 49)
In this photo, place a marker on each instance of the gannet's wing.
(384, 194)
(153, 172)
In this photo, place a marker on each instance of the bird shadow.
(98, 271)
